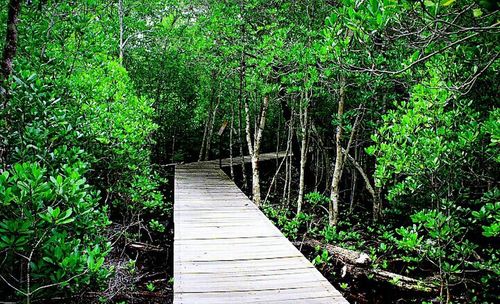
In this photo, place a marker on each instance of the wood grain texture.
(227, 251)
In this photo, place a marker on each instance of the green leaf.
(370, 150)
(447, 2)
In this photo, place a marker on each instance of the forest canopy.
(386, 111)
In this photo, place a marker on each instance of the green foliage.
(489, 213)
(344, 286)
(316, 198)
(82, 126)
(156, 226)
(323, 258)
(427, 152)
(73, 128)
(131, 266)
(292, 227)
(55, 224)
(346, 237)
(437, 237)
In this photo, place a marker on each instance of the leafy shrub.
(323, 258)
(437, 237)
(290, 226)
(488, 218)
(51, 230)
(316, 198)
(70, 128)
(118, 130)
(489, 213)
(156, 226)
(347, 238)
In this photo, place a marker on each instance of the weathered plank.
(227, 251)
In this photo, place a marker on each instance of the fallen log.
(145, 247)
(358, 264)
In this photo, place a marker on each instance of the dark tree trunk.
(9, 53)
(10, 49)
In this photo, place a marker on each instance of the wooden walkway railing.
(227, 251)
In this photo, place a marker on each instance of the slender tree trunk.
(210, 133)
(278, 169)
(254, 148)
(321, 158)
(377, 205)
(255, 180)
(353, 185)
(242, 150)
(288, 160)
(333, 207)
(173, 144)
(10, 48)
(290, 164)
(303, 117)
(120, 15)
(316, 170)
(278, 163)
(377, 202)
(231, 131)
(205, 132)
(9, 53)
(255, 160)
(241, 95)
(374, 192)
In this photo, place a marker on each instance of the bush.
(51, 230)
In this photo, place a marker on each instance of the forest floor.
(143, 269)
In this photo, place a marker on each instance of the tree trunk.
(250, 145)
(288, 116)
(377, 202)
(322, 158)
(303, 154)
(374, 192)
(255, 180)
(242, 150)
(333, 208)
(254, 148)
(354, 181)
(173, 144)
(231, 130)
(278, 163)
(10, 48)
(120, 15)
(9, 53)
(211, 131)
(288, 162)
(278, 169)
(205, 132)
(241, 96)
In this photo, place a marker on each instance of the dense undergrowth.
(432, 248)
(75, 150)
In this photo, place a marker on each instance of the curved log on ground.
(358, 264)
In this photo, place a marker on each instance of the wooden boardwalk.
(227, 251)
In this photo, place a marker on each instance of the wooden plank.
(299, 295)
(227, 251)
